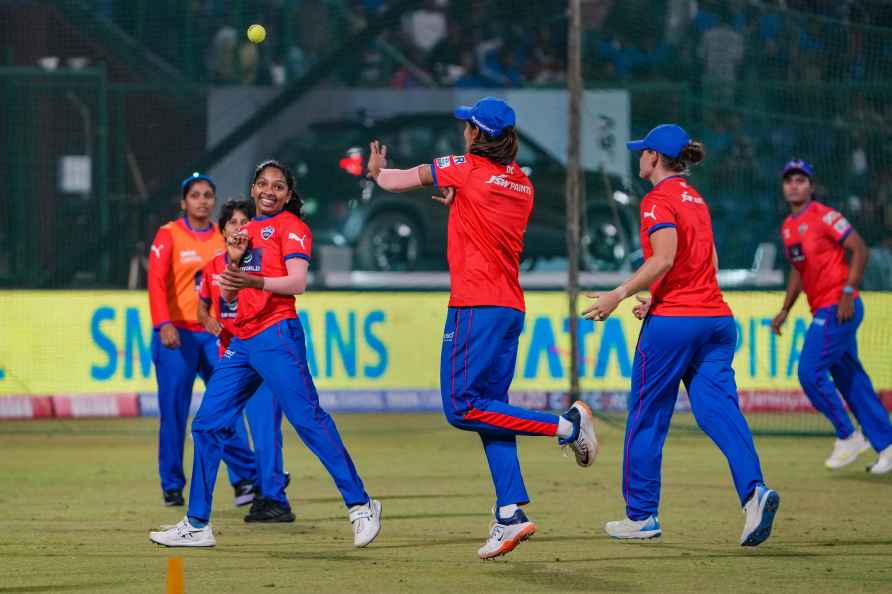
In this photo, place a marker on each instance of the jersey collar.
(803, 209)
(665, 179)
(265, 217)
(203, 230)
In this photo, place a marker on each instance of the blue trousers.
(699, 352)
(831, 350)
(476, 368)
(265, 421)
(276, 357)
(175, 370)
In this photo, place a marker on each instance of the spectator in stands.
(471, 77)
(444, 59)
(503, 70)
(222, 59)
(544, 65)
(722, 52)
(426, 26)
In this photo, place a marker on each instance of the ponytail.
(694, 153)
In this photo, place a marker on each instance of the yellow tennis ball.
(256, 33)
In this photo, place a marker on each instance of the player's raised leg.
(478, 342)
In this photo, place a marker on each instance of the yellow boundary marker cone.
(175, 575)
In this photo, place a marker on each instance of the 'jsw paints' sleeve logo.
(503, 182)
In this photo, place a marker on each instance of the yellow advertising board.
(63, 342)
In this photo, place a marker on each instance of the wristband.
(848, 290)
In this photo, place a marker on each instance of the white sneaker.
(759, 510)
(504, 538)
(184, 534)
(883, 463)
(585, 444)
(366, 520)
(627, 529)
(846, 451)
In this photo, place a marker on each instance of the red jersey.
(487, 223)
(813, 244)
(274, 239)
(176, 259)
(690, 287)
(210, 293)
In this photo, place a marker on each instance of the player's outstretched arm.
(665, 243)
(395, 180)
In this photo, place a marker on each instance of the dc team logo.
(443, 162)
(267, 232)
(252, 261)
(198, 280)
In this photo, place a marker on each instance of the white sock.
(565, 428)
(506, 511)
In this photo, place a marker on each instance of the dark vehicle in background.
(401, 232)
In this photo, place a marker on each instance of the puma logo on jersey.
(652, 214)
(300, 239)
(156, 249)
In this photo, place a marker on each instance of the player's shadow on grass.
(864, 478)
(297, 501)
(570, 578)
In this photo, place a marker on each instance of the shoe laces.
(185, 528)
(496, 531)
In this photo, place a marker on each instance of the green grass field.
(79, 497)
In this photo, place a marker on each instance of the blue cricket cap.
(489, 114)
(187, 183)
(668, 139)
(798, 166)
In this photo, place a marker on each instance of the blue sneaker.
(759, 510)
(627, 529)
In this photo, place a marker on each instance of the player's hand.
(233, 280)
(377, 159)
(213, 326)
(845, 310)
(447, 198)
(170, 336)
(778, 321)
(237, 245)
(603, 307)
(642, 307)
